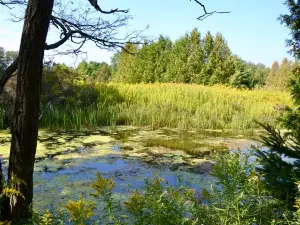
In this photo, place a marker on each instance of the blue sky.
(251, 29)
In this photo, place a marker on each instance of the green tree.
(146, 62)
(2, 58)
(292, 21)
(114, 62)
(281, 163)
(270, 81)
(82, 67)
(220, 61)
(177, 70)
(284, 75)
(259, 73)
(195, 60)
(126, 65)
(208, 67)
(243, 76)
(104, 73)
(163, 49)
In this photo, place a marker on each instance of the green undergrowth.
(237, 198)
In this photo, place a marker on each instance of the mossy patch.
(190, 147)
(97, 139)
(4, 151)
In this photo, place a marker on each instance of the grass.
(183, 106)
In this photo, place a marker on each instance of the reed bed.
(184, 106)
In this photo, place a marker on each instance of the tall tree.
(25, 124)
(242, 78)
(220, 61)
(284, 75)
(259, 73)
(177, 70)
(270, 82)
(208, 67)
(163, 48)
(292, 21)
(195, 58)
(126, 65)
(280, 174)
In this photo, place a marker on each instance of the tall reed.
(185, 106)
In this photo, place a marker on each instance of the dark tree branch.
(6, 74)
(94, 3)
(206, 13)
(60, 42)
(12, 2)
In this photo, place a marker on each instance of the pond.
(67, 162)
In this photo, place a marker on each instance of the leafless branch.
(94, 3)
(206, 13)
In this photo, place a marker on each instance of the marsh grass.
(183, 106)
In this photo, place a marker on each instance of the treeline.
(192, 58)
(204, 60)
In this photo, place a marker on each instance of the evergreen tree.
(195, 59)
(281, 163)
(220, 61)
(177, 70)
(270, 81)
(126, 65)
(243, 76)
(208, 66)
(147, 62)
(284, 75)
(164, 47)
(2, 58)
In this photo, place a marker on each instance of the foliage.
(160, 204)
(80, 211)
(239, 196)
(281, 163)
(280, 75)
(94, 71)
(190, 59)
(291, 20)
(7, 190)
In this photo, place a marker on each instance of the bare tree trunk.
(25, 120)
